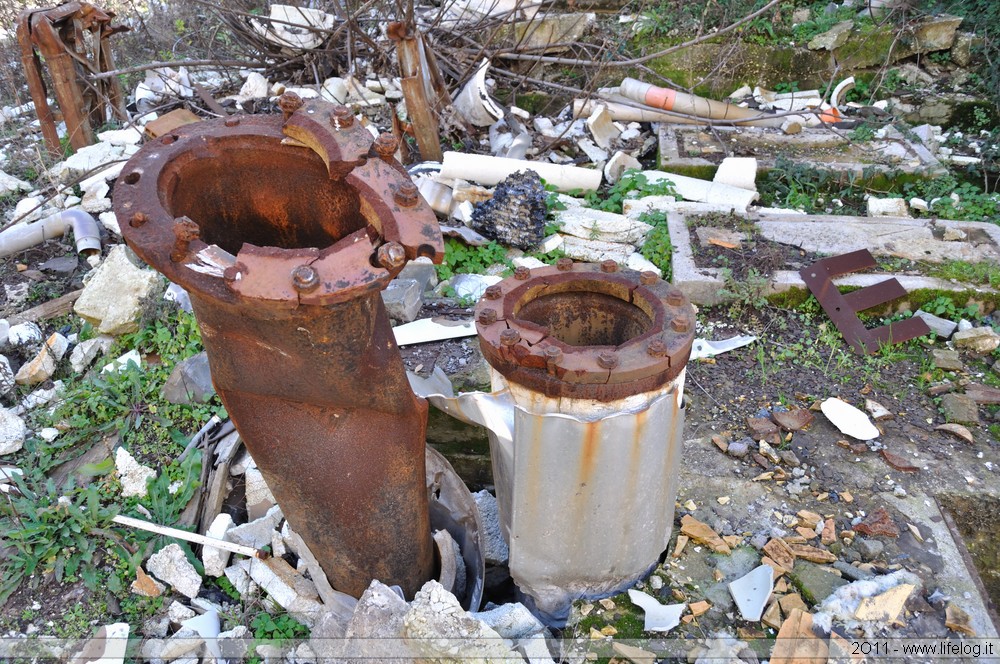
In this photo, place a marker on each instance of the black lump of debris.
(515, 216)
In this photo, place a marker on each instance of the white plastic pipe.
(680, 102)
(25, 236)
(489, 171)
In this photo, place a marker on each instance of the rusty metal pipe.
(284, 231)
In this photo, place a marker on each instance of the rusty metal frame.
(59, 35)
(842, 308)
(298, 340)
(526, 353)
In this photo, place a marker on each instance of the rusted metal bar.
(60, 35)
(300, 223)
(843, 308)
(414, 83)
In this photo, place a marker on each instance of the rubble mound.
(515, 216)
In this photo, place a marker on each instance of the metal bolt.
(138, 219)
(493, 292)
(648, 278)
(185, 231)
(675, 298)
(487, 316)
(552, 356)
(391, 255)
(386, 145)
(680, 325)
(509, 337)
(233, 122)
(522, 273)
(606, 359)
(564, 264)
(289, 102)
(657, 348)
(342, 117)
(609, 266)
(407, 195)
(305, 278)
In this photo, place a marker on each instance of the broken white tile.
(752, 591)
(848, 419)
(659, 617)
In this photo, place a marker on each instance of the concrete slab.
(914, 239)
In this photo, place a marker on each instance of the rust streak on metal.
(299, 343)
(843, 308)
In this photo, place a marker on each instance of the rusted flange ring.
(280, 194)
(616, 333)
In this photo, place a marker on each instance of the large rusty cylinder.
(589, 362)
(284, 230)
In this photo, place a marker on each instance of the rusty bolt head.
(386, 145)
(186, 230)
(138, 219)
(648, 278)
(487, 316)
(680, 324)
(521, 273)
(342, 116)
(233, 122)
(407, 195)
(606, 359)
(553, 353)
(289, 102)
(656, 348)
(391, 255)
(564, 264)
(493, 292)
(305, 278)
(609, 266)
(509, 337)
(675, 298)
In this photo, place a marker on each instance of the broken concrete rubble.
(113, 298)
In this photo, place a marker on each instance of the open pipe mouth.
(252, 189)
(586, 318)
(586, 331)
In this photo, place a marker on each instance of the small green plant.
(657, 248)
(863, 133)
(632, 184)
(281, 628)
(786, 86)
(460, 258)
(945, 307)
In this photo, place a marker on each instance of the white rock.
(41, 396)
(334, 89)
(954, 234)
(595, 251)
(849, 419)
(43, 365)
(256, 533)
(48, 434)
(435, 612)
(738, 172)
(618, 164)
(121, 363)
(255, 87)
(594, 153)
(590, 224)
(640, 263)
(110, 221)
(602, 126)
(24, 334)
(4, 332)
(257, 490)
(10, 184)
(529, 262)
(289, 589)
(171, 566)
(216, 560)
(178, 613)
(551, 243)
(88, 159)
(472, 286)
(919, 204)
(132, 474)
(28, 210)
(85, 352)
(887, 207)
(126, 136)
(113, 298)
(511, 621)
(12, 432)
(71, 202)
(6, 376)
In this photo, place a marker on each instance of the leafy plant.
(281, 628)
(945, 307)
(48, 532)
(460, 258)
(632, 184)
(657, 248)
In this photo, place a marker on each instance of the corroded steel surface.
(586, 331)
(843, 308)
(284, 231)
